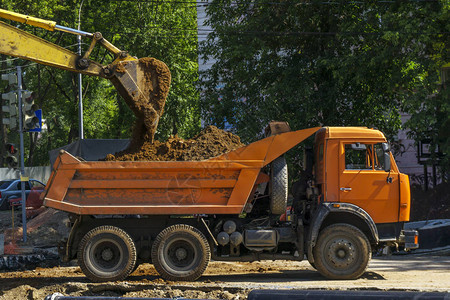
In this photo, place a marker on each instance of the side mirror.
(387, 161)
(385, 147)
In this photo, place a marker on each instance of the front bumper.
(409, 239)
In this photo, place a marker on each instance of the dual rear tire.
(108, 253)
(180, 252)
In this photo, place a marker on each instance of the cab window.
(359, 156)
(379, 157)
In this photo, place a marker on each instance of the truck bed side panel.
(220, 185)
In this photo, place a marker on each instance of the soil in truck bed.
(210, 142)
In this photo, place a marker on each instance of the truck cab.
(354, 165)
(356, 189)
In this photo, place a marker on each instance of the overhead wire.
(8, 60)
(204, 32)
(206, 3)
(295, 33)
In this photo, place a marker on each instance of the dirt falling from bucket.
(210, 142)
(144, 85)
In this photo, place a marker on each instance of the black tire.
(107, 253)
(278, 186)
(342, 252)
(180, 252)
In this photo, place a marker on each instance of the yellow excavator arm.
(142, 83)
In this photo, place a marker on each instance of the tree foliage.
(338, 63)
(430, 105)
(144, 29)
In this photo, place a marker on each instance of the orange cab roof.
(352, 132)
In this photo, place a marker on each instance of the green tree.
(430, 105)
(145, 29)
(339, 63)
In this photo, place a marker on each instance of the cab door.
(364, 182)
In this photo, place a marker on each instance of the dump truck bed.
(220, 185)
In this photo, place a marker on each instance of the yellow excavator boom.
(142, 83)
(36, 22)
(18, 43)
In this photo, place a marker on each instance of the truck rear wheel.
(342, 252)
(180, 252)
(278, 186)
(107, 253)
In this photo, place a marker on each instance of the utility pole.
(80, 86)
(23, 179)
(80, 95)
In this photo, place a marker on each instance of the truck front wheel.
(342, 252)
(180, 252)
(107, 253)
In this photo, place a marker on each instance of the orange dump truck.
(350, 200)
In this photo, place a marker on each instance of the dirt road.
(224, 280)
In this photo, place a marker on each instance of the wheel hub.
(107, 254)
(342, 253)
(181, 253)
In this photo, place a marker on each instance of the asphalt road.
(399, 272)
(226, 280)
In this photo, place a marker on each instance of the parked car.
(5, 185)
(33, 199)
(10, 189)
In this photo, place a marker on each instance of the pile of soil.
(210, 142)
(47, 229)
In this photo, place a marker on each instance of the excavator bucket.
(144, 85)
